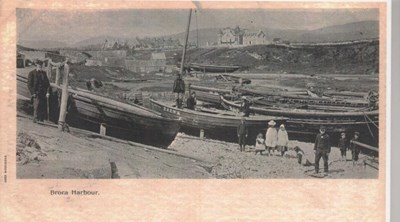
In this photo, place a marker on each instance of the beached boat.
(122, 120)
(216, 124)
(233, 79)
(304, 98)
(305, 122)
(210, 68)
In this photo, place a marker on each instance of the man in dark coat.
(38, 85)
(242, 133)
(179, 89)
(191, 101)
(322, 148)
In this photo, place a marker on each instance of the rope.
(365, 115)
(369, 128)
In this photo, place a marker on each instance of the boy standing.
(343, 146)
(322, 148)
(242, 132)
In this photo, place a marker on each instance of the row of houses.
(156, 62)
(142, 43)
(238, 36)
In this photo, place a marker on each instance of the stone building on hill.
(238, 36)
(229, 36)
(255, 38)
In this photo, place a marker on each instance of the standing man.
(38, 85)
(179, 89)
(242, 133)
(191, 101)
(322, 148)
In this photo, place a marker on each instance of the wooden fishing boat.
(303, 98)
(208, 94)
(233, 79)
(216, 124)
(210, 68)
(122, 120)
(308, 121)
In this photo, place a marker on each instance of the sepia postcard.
(194, 111)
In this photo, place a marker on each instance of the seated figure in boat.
(93, 84)
(191, 101)
(245, 107)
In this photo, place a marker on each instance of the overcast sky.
(74, 26)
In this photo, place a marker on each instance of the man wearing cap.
(271, 137)
(38, 85)
(242, 133)
(355, 149)
(322, 148)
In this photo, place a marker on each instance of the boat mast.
(197, 31)
(186, 41)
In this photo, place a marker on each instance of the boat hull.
(124, 121)
(211, 68)
(215, 126)
(305, 125)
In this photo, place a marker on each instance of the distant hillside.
(99, 40)
(42, 44)
(346, 32)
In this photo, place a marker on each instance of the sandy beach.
(44, 152)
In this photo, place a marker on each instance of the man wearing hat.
(322, 148)
(242, 133)
(355, 149)
(38, 85)
(271, 137)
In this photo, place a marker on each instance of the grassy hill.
(42, 44)
(353, 58)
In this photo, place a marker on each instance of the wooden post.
(201, 134)
(103, 129)
(57, 81)
(64, 98)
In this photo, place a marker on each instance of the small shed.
(158, 61)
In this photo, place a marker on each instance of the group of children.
(345, 144)
(274, 140)
(279, 140)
